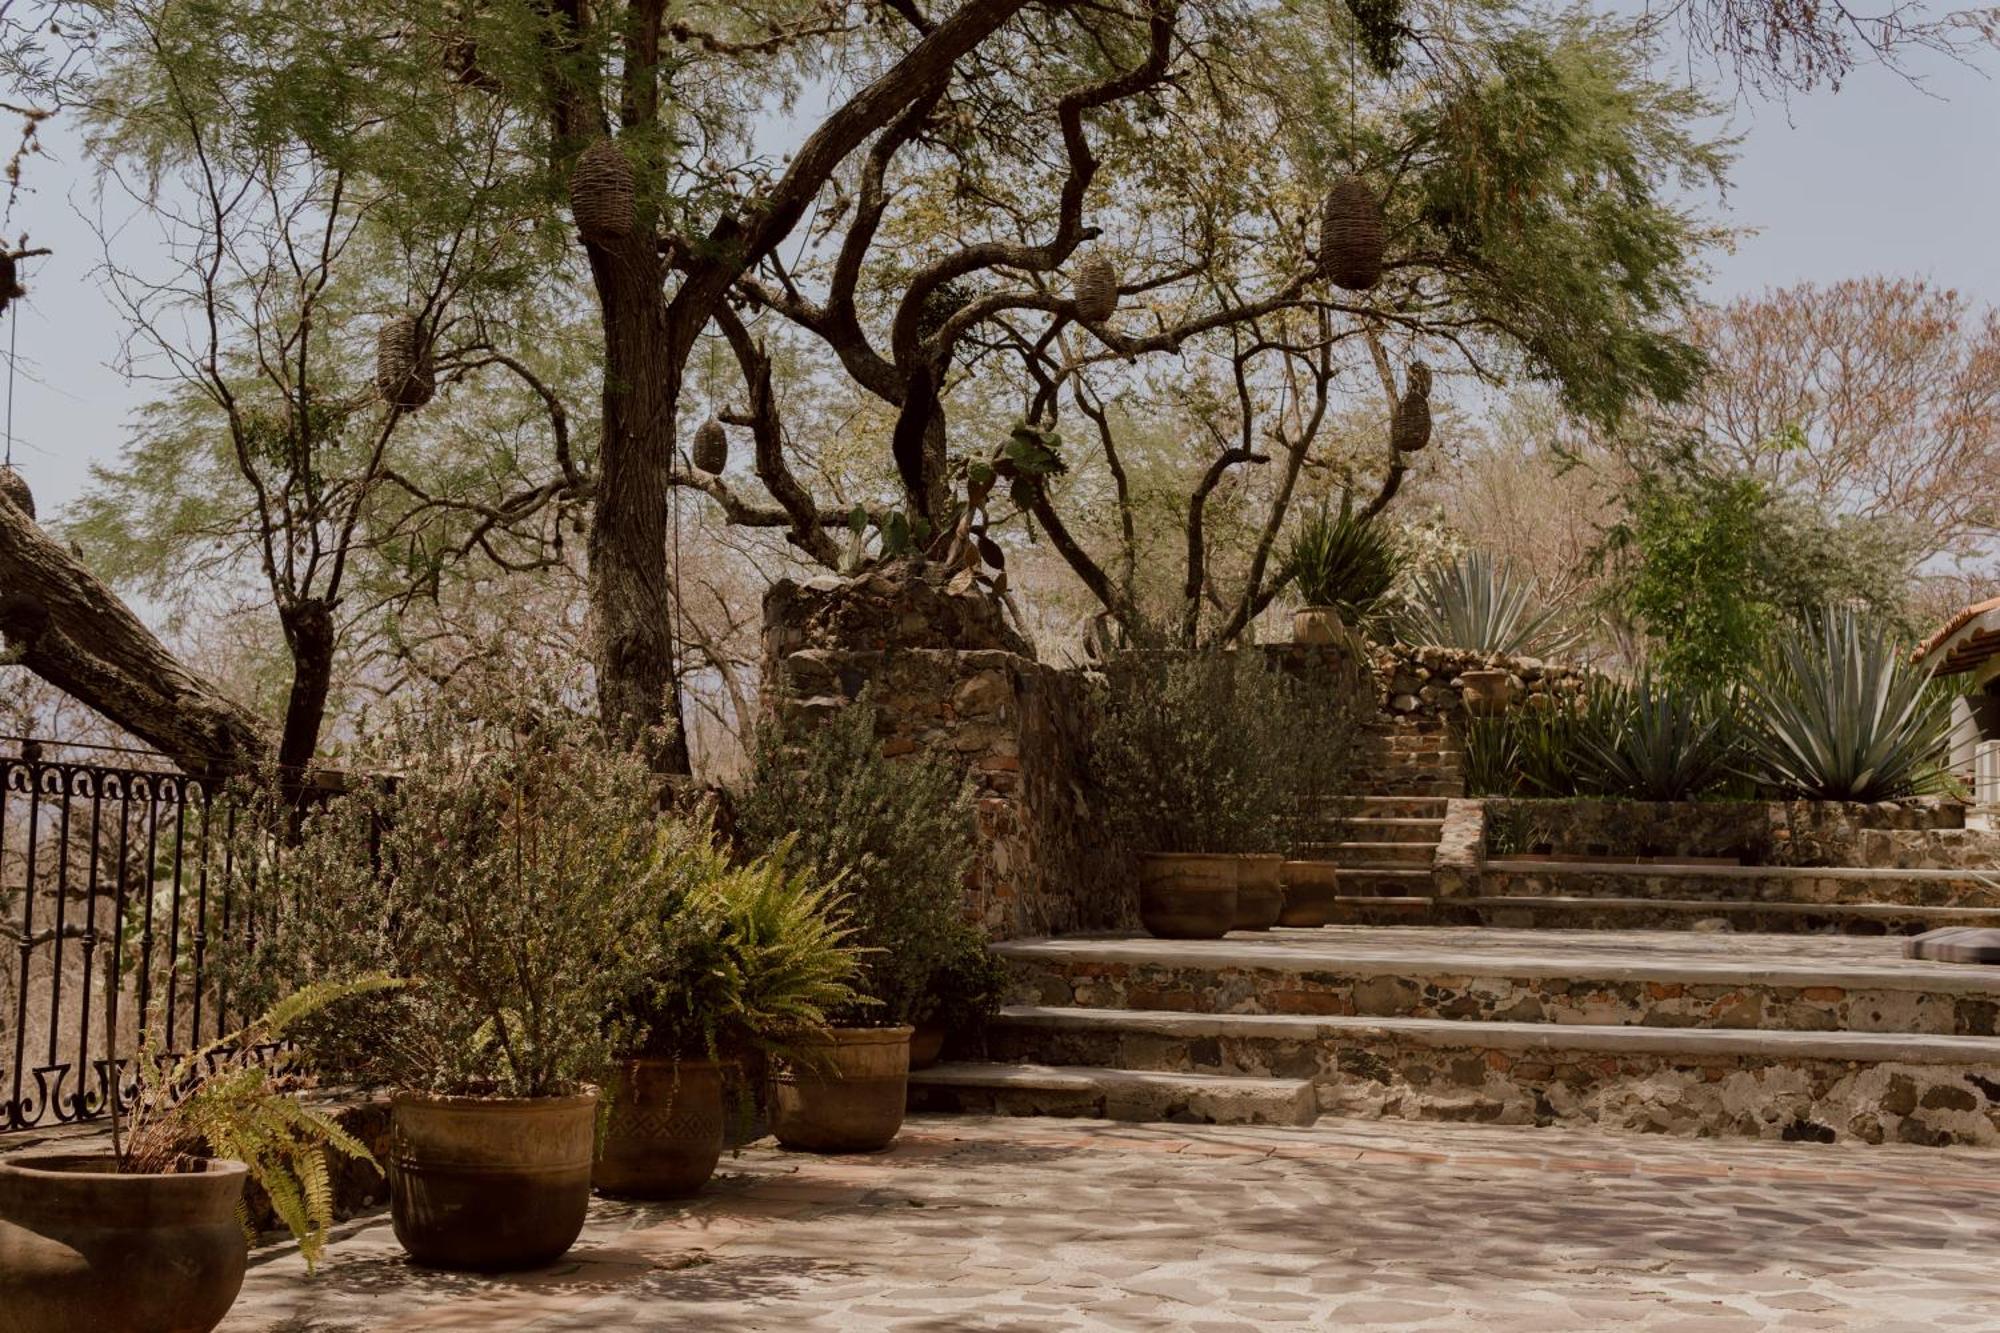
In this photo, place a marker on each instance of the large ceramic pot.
(84, 1248)
(488, 1184)
(1487, 692)
(663, 1129)
(926, 1044)
(1260, 892)
(1317, 625)
(1310, 890)
(1188, 895)
(845, 1094)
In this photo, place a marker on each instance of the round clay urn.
(663, 1129)
(1188, 895)
(1487, 691)
(1310, 890)
(84, 1248)
(1317, 625)
(846, 1093)
(489, 1184)
(1260, 891)
(926, 1044)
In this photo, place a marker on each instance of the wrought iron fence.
(115, 886)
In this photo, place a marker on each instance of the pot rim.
(460, 1102)
(1191, 856)
(723, 1063)
(1258, 856)
(1318, 608)
(853, 1036)
(24, 1164)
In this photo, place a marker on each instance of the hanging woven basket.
(14, 488)
(403, 372)
(1352, 236)
(1096, 290)
(603, 193)
(1411, 430)
(711, 447)
(10, 284)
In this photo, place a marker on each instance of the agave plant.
(1492, 755)
(1653, 740)
(1477, 604)
(1838, 713)
(1344, 560)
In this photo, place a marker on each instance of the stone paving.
(1058, 1225)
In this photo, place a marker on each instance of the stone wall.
(1918, 833)
(1427, 684)
(1019, 727)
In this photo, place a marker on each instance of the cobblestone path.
(1058, 1225)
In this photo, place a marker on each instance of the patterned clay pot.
(1310, 889)
(663, 1129)
(1317, 625)
(82, 1247)
(1188, 895)
(1260, 891)
(926, 1044)
(489, 1184)
(1487, 692)
(848, 1095)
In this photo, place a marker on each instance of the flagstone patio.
(972, 1223)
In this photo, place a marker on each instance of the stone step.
(1396, 806)
(1544, 912)
(1529, 977)
(1381, 910)
(1368, 855)
(1395, 828)
(1825, 1086)
(1113, 1094)
(1736, 883)
(1385, 881)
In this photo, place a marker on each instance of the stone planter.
(926, 1044)
(663, 1129)
(1188, 895)
(84, 1248)
(489, 1184)
(1487, 692)
(1260, 891)
(1318, 625)
(1310, 889)
(847, 1095)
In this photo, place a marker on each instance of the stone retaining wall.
(1926, 832)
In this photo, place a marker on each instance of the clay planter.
(1310, 888)
(663, 1129)
(926, 1044)
(1487, 692)
(1260, 892)
(82, 1247)
(488, 1184)
(1317, 625)
(847, 1096)
(1188, 895)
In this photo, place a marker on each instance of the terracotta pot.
(663, 1129)
(848, 1096)
(1310, 888)
(1487, 692)
(1188, 895)
(1318, 625)
(488, 1184)
(1260, 891)
(82, 1247)
(926, 1044)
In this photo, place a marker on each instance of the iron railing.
(115, 885)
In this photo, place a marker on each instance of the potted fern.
(150, 1236)
(1341, 565)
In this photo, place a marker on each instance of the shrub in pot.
(1341, 566)
(1330, 711)
(897, 834)
(150, 1236)
(965, 994)
(511, 870)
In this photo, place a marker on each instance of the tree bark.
(309, 634)
(60, 622)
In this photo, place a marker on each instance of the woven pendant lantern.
(1411, 429)
(10, 282)
(1352, 236)
(602, 193)
(403, 373)
(711, 447)
(1096, 290)
(14, 488)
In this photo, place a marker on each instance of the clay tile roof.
(1976, 647)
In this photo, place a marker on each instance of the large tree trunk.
(630, 600)
(64, 625)
(309, 634)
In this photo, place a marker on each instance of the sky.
(1886, 175)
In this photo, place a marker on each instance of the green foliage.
(1477, 604)
(896, 834)
(971, 986)
(1654, 740)
(1344, 560)
(787, 954)
(1839, 713)
(230, 1099)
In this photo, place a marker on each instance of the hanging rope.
(13, 331)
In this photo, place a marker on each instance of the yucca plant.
(1492, 755)
(1480, 605)
(1839, 713)
(1340, 559)
(1652, 740)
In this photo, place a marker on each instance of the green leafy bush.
(1839, 713)
(1654, 740)
(1342, 560)
(896, 834)
(1476, 604)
